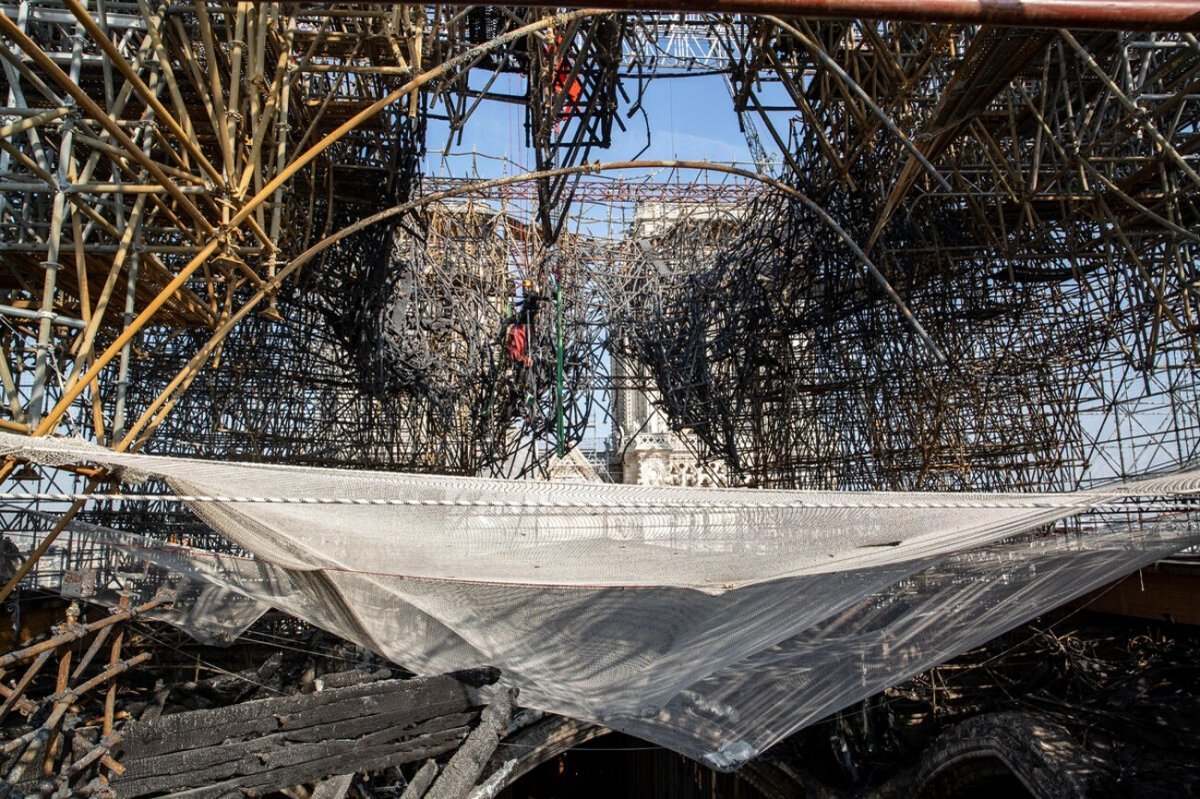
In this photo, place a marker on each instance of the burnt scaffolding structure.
(1036, 221)
(1012, 186)
(975, 265)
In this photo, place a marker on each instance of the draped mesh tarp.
(713, 621)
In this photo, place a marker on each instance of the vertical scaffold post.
(560, 444)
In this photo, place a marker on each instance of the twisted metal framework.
(1033, 200)
(999, 289)
(975, 265)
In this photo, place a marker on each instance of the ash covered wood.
(270, 744)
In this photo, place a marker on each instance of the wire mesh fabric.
(712, 621)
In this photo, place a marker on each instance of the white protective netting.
(713, 621)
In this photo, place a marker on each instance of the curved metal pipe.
(1125, 15)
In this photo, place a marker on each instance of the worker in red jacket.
(518, 328)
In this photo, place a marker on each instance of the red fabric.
(560, 80)
(516, 341)
(573, 91)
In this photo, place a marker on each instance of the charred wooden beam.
(421, 781)
(465, 768)
(540, 742)
(333, 788)
(271, 744)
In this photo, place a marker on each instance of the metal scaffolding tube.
(1127, 15)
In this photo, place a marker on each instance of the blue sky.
(689, 118)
